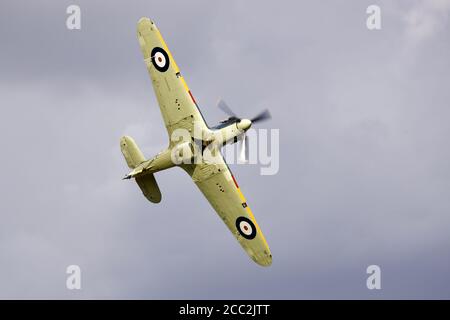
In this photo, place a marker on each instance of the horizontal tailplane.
(149, 187)
(134, 158)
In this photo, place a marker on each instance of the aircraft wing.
(218, 185)
(177, 105)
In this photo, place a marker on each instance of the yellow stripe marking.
(177, 70)
(184, 84)
(250, 213)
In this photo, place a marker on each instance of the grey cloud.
(364, 175)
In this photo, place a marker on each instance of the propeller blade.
(247, 149)
(225, 108)
(265, 115)
(243, 151)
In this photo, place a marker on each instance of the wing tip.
(263, 258)
(143, 20)
(264, 261)
(146, 23)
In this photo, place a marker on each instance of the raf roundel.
(246, 228)
(160, 59)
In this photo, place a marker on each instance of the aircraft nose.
(244, 124)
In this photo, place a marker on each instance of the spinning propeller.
(243, 124)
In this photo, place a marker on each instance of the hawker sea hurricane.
(190, 141)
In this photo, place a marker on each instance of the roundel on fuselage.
(160, 59)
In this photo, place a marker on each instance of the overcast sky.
(364, 149)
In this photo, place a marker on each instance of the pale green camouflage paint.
(214, 179)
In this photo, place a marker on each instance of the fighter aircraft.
(194, 146)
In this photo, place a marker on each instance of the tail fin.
(134, 157)
(131, 152)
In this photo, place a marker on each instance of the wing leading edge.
(176, 102)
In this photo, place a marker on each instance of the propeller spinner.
(244, 125)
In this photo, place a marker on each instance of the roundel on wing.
(160, 59)
(246, 228)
